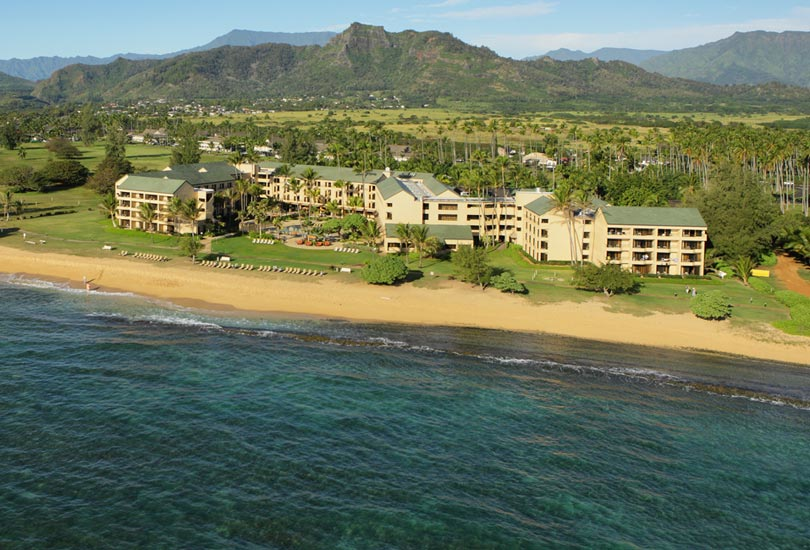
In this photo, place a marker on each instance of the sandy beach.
(455, 304)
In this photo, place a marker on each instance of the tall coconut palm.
(562, 199)
(190, 211)
(419, 239)
(7, 198)
(148, 213)
(341, 186)
(109, 205)
(371, 233)
(404, 233)
(175, 211)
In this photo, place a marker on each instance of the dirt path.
(787, 271)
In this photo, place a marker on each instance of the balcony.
(691, 246)
(664, 245)
(693, 233)
(664, 232)
(642, 258)
(616, 231)
(690, 258)
(643, 232)
(614, 243)
(642, 245)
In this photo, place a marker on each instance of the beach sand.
(454, 304)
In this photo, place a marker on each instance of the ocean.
(128, 423)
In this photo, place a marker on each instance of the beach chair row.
(227, 265)
(349, 250)
(264, 241)
(145, 256)
(291, 270)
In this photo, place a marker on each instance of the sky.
(512, 28)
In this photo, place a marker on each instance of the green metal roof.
(655, 216)
(390, 187)
(377, 177)
(444, 232)
(540, 206)
(198, 175)
(166, 186)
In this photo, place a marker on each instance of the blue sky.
(517, 28)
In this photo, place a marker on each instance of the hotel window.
(448, 217)
(389, 204)
(586, 235)
(389, 216)
(544, 220)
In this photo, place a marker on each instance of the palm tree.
(404, 233)
(356, 202)
(175, 210)
(562, 198)
(340, 185)
(190, 211)
(419, 238)
(7, 198)
(371, 233)
(109, 206)
(148, 214)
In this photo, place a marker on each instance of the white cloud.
(501, 12)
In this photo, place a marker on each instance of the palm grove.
(749, 182)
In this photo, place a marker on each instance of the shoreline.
(454, 304)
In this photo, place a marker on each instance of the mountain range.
(743, 58)
(417, 67)
(628, 55)
(39, 68)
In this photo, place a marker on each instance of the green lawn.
(143, 157)
(70, 221)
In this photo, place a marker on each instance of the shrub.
(607, 278)
(506, 282)
(713, 305)
(385, 270)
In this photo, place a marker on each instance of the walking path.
(787, 271)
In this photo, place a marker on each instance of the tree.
(404, 233)
(65, 173)
(607, 278)
(90, 125)
(419, 237)
(191, 246)
(109, 206)
(384, 270)
(370, 232)
(742, 268)
(506, 282)
(113, 165)
(7, 198)
(187, 150)
(472, 265)
(190, 210)
(62, 148)
(711, 305)
(9, 137)
(148, 214)
(739, 212)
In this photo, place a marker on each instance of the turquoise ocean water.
(130, 424)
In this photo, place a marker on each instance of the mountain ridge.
(419, 68)
(743, 58)
(42, 67)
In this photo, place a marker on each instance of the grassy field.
(414, 121)
(143, 157)
(70, 221)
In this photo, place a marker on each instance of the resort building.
(158, 188)
(132, 192)
(643, 240)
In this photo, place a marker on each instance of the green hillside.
(743, 58)
(417, 67)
